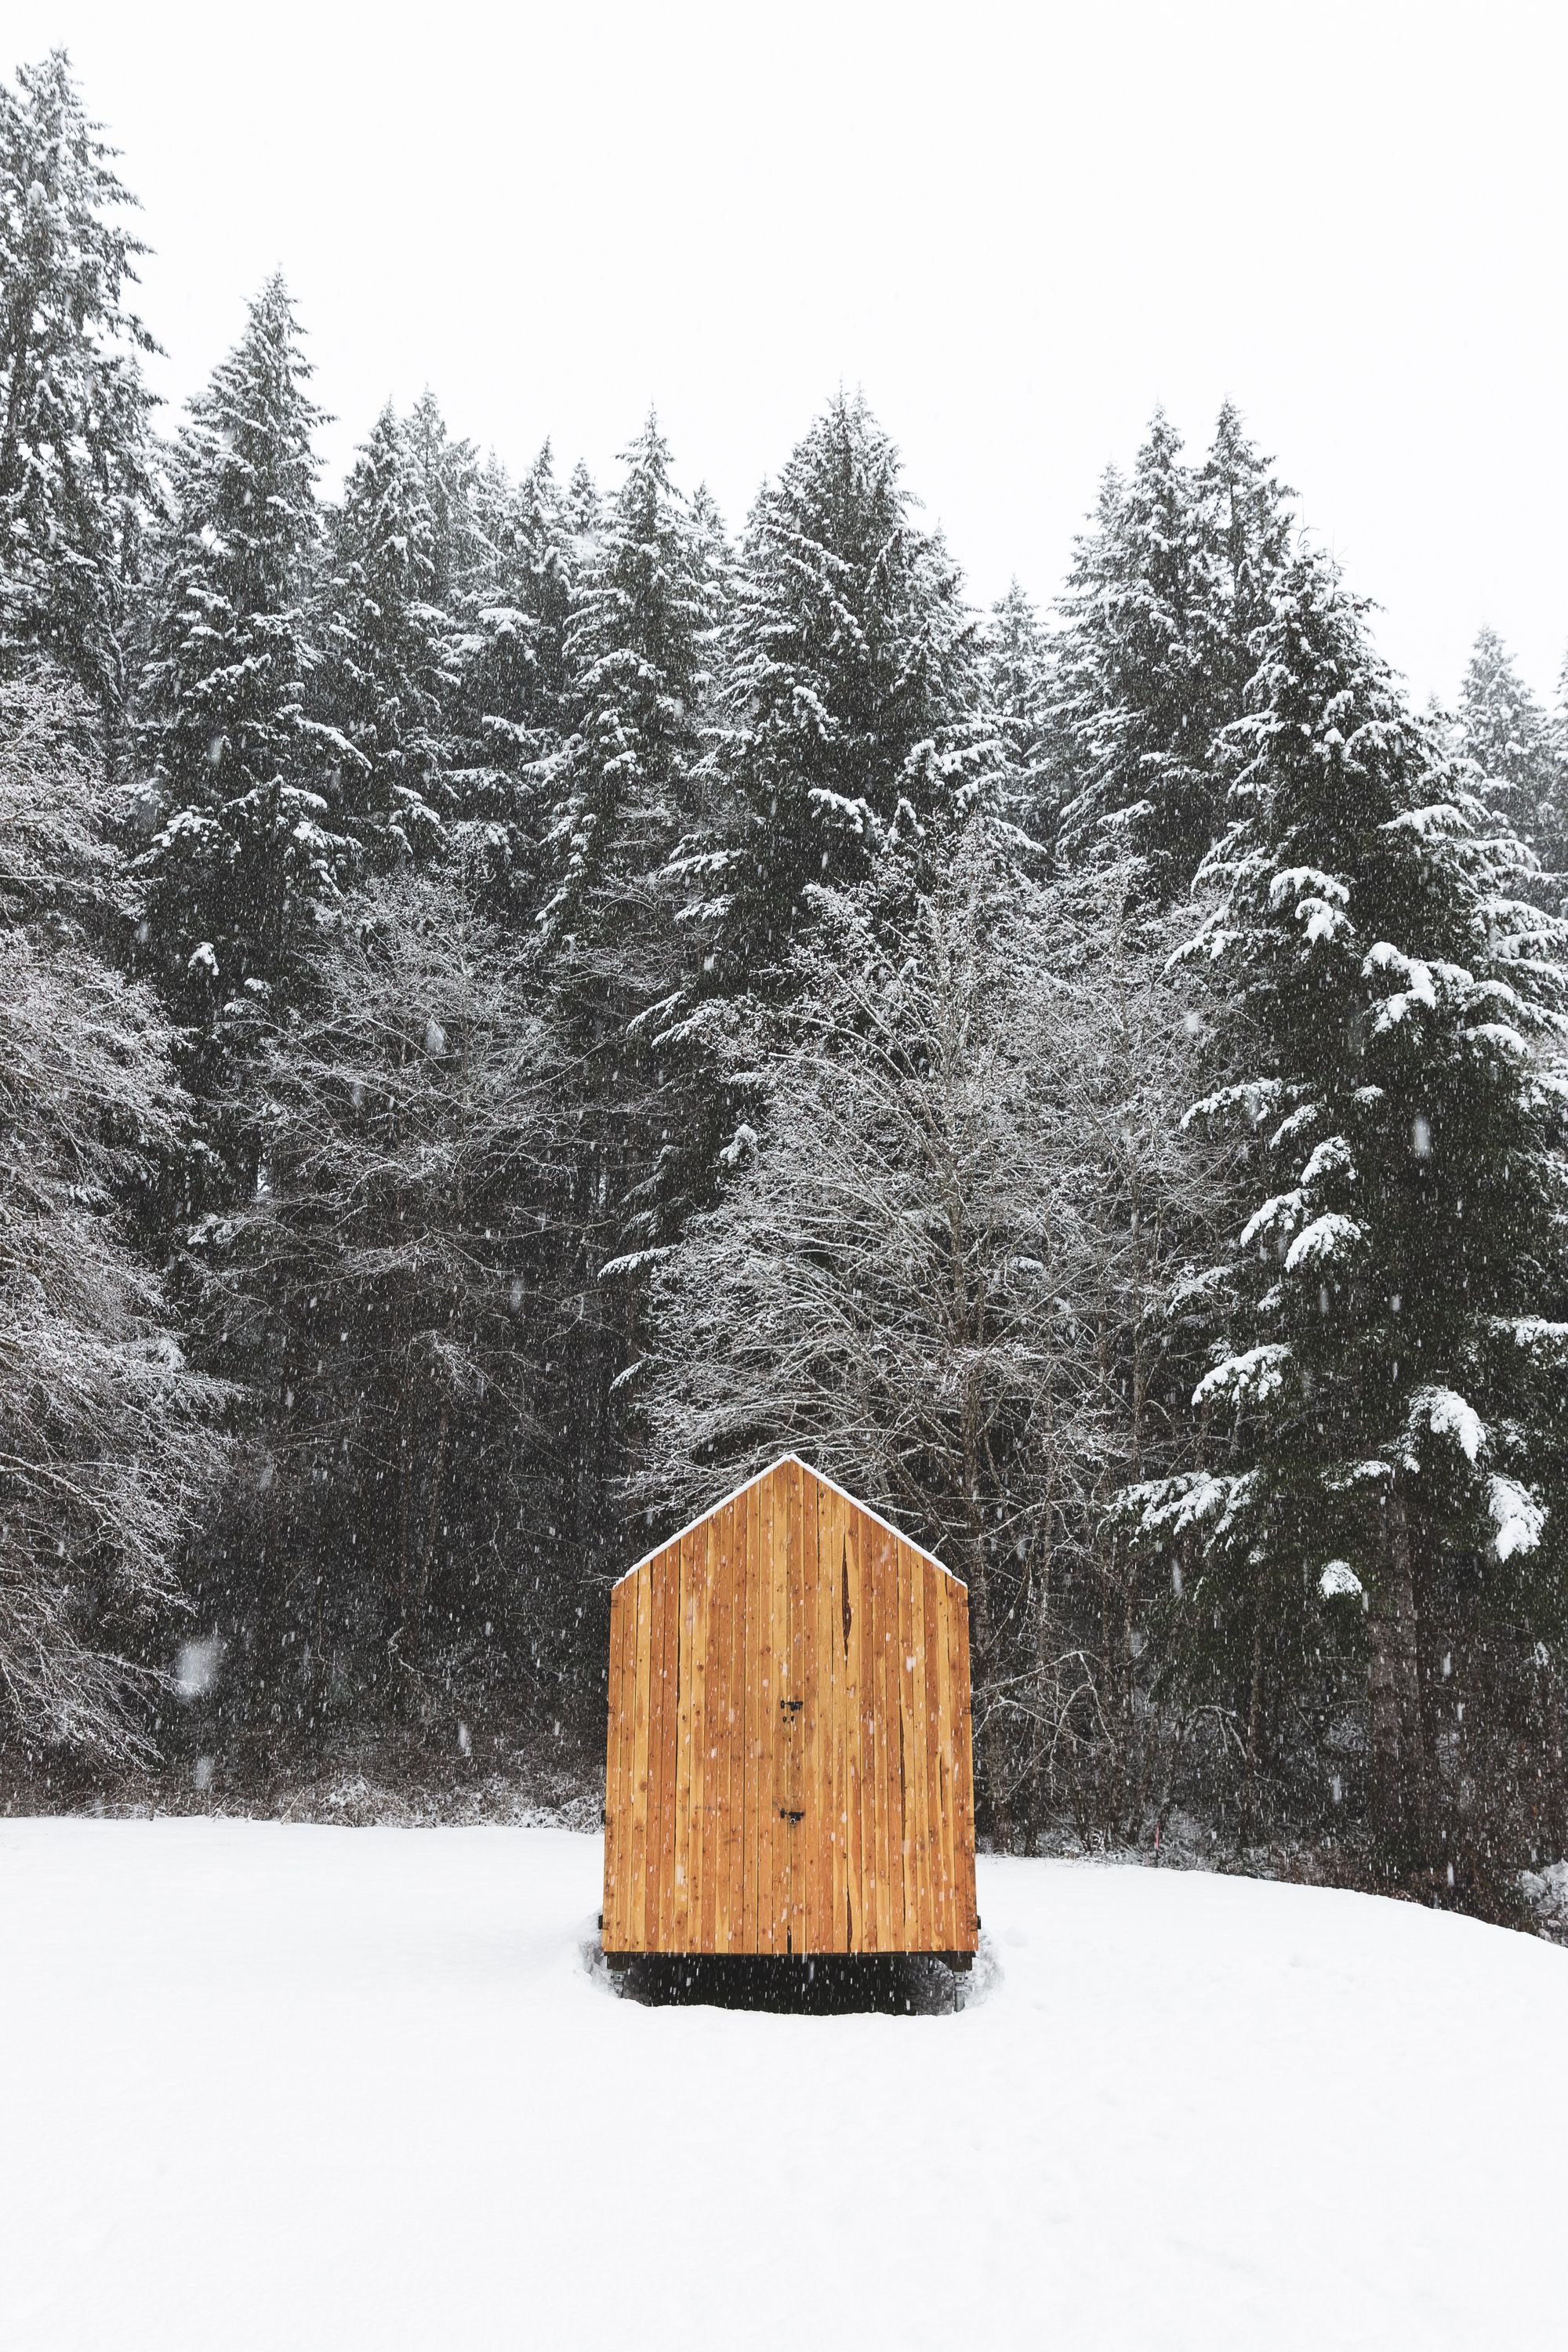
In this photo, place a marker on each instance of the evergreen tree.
(384, 677)
(584, 508)
(543, 551)
(449, 474)
(1154, 651)
(637, 642)
(1505, 731)
(244, 852)
(73, 406)
(1389, 1367)
(1244, 534)
(637, 1100)
(1130, 711)
(849, 710)
(511, 661)
(1018, 697)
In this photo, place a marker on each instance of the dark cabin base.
(827, 1984)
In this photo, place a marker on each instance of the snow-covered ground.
(267, 2086)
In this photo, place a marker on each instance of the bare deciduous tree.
(105, 1442)
(936, 1267)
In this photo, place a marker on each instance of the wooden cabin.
(789, 1768)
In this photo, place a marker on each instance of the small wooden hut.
(789, 1765)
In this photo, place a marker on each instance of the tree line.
(522, 1005)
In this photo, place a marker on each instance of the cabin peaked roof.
(823, 1480)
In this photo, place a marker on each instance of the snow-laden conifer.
(244, 849)
(449, 475)
(849, 706)
(383, 672)
(73, 480)
(584, 508)
(1017, 657)
(638, 644)
(1384, 1404)
(509, 708)
(1154, 653)
(1506, 732)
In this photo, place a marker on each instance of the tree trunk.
(994, 1748)
(415, 1619)
(1045, 1631)
(1254, 1724)
(1399, 1785)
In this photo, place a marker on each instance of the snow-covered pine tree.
(383, 674)
(73, 480)
(584, 508)
(1388, 1383)
(718, 557)
(638, 644)
(850, 706)
(450, 477)
(1018, 694)
(1243, 541)
(244, 852)
(1134, 723)
(635, 1100)
(109, 1447)
(1154, 652)
(1506, 732)
(542, 558)
(509, 712)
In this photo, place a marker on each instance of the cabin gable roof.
(822, 1479)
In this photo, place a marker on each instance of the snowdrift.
(270, 2086)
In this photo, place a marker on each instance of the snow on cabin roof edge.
(822, 1479)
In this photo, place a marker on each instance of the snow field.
(270, 2086)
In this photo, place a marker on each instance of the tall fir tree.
(636, 1099)
(510, 710)
(1134, 722)
(1244, 543)
(850, 709)
(585, 508)
(74, 474)
(638, 644)
(245, 851)
(450, 477)
(1154, 657)
(1388, 1380)
(1507, 733)
(1018, 694)
(385, 674)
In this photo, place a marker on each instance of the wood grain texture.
(788, 1761)
(968, 1922)
(637, 1889)
(615, 1802)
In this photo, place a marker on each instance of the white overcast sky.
(1017, 227)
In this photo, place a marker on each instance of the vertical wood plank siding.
(788, 1763)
